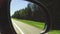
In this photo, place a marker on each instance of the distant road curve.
(22, 28)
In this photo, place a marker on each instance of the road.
(23, 28)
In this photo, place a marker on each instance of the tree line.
(31, 12)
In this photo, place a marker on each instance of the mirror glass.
(27, 17)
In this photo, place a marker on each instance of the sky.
(17, 5)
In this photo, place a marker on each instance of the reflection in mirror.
(27, 17)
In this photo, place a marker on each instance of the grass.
(54, 32)
(39, 25)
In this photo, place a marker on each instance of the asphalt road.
(23, 28)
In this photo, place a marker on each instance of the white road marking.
(18, 28)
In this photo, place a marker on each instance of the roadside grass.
(54, 32)
(39, 25)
